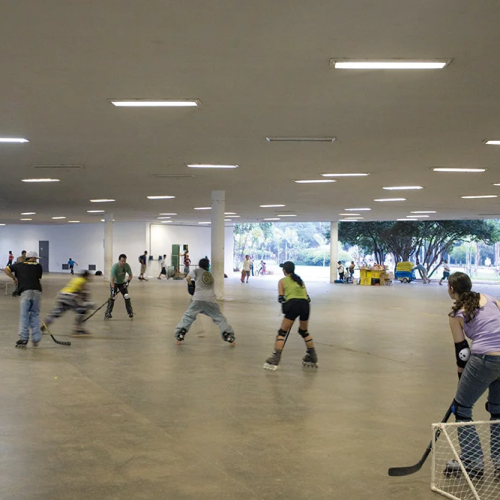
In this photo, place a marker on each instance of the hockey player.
(295, 304)
(119, 283)
(74, 296)
(204, 302)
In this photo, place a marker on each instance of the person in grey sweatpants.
(201, 286)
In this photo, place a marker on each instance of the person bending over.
(75, 297)
(201, 283)
(476, 316)
(119, 283)
(292, 295)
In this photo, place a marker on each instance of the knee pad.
(303, 333)
(462, 413)
(281, 333)
(126, 296)
(493, 410)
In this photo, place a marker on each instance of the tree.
(433, 239)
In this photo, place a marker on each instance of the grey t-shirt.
(204, 285)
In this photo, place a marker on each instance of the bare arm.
(8, 272)
(281, 288)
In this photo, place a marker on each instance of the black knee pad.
(457, 410)
(494, 416)
(303, 333)
(281, 333)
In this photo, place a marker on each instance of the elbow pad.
(281, 299)
(462, 353)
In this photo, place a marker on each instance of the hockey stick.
(406, 471)
(60, 342)
(97, 310)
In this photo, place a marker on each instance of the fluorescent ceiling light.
(407, 220)
(453, 169)
(28, 213)
(389, 64)
(164, 217)
(300, 139)
(40, 180)
(348, 220)
(168, 213)
(149, 103)
(74, 221)
(3, 224)
(104, 200)
(314, 181)
(390, 199)
(424, 212)
(349, 214)
(356, 209)
(166, 221)
(272, 218)
(480, 196)
(233, 216)
(206, 222)
(201, 165)
(25, 219)
(58, 218)
(160, 197)
(493, 143)
(344, 175)
(417, 216)
(401, 188)
(287, 215)
(104, 220)
(17, 140)
(353, 218)
(229, 213)
(270, 206)
(95, 211)
(203, 208)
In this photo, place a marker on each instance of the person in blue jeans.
(26, 276)
(477, 317)
(201, 286)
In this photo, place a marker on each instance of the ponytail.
(469, 302)
(297, 279)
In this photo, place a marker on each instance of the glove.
(281, 299)
(308, 299)
(191, 288)
(127, 283)
(113, 292)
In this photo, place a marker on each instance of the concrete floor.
(127, 414)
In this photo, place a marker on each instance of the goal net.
(466, 460)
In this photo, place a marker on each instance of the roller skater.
(295, 304)
(201, 284)
(74, 296)
(119, 283)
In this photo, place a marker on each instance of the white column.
(334, 242)
(108, 244)
(217, 255)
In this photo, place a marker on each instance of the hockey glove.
(281, 299)
(191, 288)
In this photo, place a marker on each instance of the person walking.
(26, 276)
(75, 297)
(294, 300)
(22, 257)
(201, 282)
(423, 272)
(143, 259)
(187, 263)
(446, 272)
(71, 265)
(120, 278)
(11, 258)
(477, 317)
(340, 269)
(245, 269)
(163, 264)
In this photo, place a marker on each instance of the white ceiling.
(259, 69)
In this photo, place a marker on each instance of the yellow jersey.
(76, 285)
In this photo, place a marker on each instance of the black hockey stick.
(406, 471)
(97, 310)
(60, 342)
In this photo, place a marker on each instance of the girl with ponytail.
(476, 316)
(295, 304)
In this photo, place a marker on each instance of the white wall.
(84, 243)
(163, 236)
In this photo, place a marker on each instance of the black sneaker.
(131, 315)
(21, 344)
(107, 316)
(273, 362)
(473, 469)
(179, 335)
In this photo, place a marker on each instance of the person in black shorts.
(295, 301)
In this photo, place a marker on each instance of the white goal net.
(466, 460)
